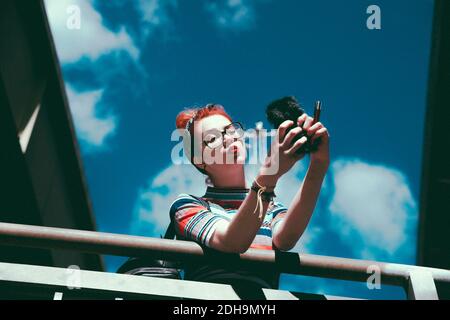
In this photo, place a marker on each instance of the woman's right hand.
(282, 155)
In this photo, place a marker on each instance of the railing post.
(421, 286)
(58, 296)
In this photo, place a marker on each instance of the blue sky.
(133, 65)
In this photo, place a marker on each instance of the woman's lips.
(236, 151)
(234, 147)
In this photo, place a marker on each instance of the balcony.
(42, 282)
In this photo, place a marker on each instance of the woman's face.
(221, 145)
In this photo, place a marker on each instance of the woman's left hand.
(320, 156)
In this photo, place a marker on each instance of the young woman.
(230, 217)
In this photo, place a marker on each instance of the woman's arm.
(237, 235)
(290, 229)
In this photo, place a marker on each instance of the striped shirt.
(195, 219)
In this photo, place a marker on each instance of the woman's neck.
(229, 178)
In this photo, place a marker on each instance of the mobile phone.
(317, 110)
(308, 146)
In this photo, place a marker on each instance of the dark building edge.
(433, 247)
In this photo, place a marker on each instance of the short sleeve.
(192, 219)
(278, 211)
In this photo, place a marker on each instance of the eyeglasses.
(214, 138)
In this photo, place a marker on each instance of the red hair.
(211, 109)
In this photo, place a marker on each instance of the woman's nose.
(227, 139)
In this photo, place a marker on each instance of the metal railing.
(418, 282)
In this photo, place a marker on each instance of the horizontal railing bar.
(132, 287)
(189, 251)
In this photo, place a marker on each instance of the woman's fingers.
(301, 120)
(305, 123)
(282, 129)
(308, 123)
(296, 146)
(319, 133)
(289, 137)
(313, 129)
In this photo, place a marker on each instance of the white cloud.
(151, 211)
(92, 128)
(91, 40)
(154, 14)
(309, 239)
(372, 208)
(154, 11)
(232, 14)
